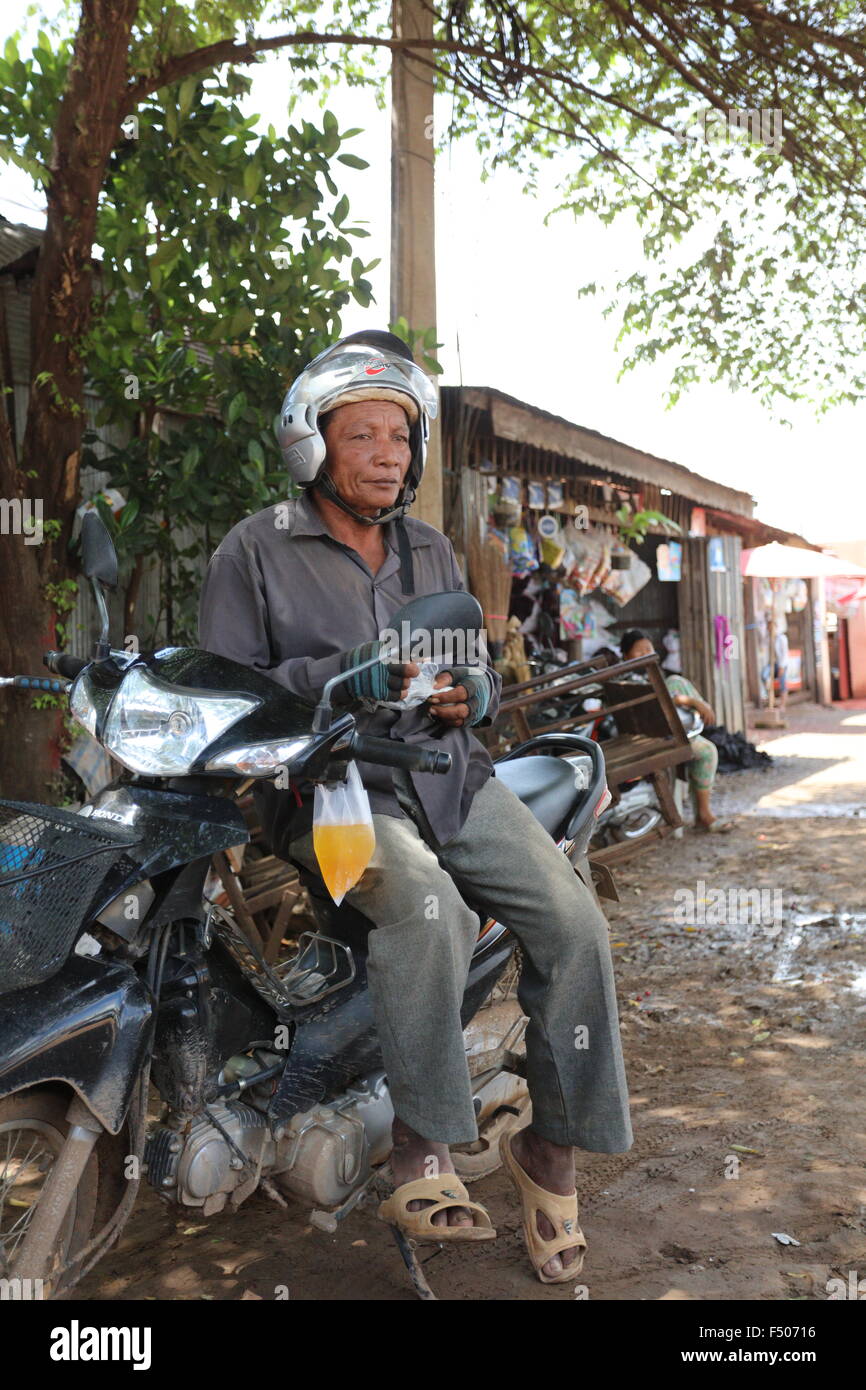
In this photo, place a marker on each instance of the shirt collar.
(308, 522)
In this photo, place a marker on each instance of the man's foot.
(552, 1167)
(413, 1157)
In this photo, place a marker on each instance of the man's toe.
(459, 1216)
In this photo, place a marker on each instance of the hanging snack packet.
(343, 834)
(523, 557)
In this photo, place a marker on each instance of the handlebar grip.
(392, 754)
(39, 683)
(64, 664)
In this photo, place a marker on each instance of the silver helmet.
(370, 365)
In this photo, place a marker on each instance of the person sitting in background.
(705, 755)
(606, 656)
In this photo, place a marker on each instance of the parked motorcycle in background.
(637, 813)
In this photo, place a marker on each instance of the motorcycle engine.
(326, 1152)
(320, 1156)
(218, 1154)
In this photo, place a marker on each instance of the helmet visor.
(342, 368)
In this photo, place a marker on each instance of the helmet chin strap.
(326, 485)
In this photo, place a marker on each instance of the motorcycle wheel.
(637, 825)
(33, 1129)
(503, 1095)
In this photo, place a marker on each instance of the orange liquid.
(343, 852)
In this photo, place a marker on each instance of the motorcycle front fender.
(89, 1026)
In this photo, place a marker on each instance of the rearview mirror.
(98, 556)
(437, 627)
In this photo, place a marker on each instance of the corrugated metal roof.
(522, 422)
(16, 239)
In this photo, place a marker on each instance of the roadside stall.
(783, 571)
(598, 537)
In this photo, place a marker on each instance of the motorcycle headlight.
(258, 759)
(156, 729)
(81, 704)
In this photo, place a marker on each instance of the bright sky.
(509, 317)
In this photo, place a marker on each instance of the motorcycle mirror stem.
(324, 709)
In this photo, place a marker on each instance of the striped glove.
(477, 688)
(381, 682)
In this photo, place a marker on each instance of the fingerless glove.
(477, 689)
(381, 682)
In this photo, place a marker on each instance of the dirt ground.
(744, 1047)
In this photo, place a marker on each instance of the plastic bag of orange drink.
(343, 834)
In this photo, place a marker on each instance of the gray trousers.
(419, 956)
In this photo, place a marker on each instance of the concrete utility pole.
(413, 242)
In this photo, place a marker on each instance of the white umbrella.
(775, 561)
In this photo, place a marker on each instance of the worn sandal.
(560, 1211)
(718, 827)
(445, 1191)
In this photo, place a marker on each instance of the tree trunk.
(88, 127)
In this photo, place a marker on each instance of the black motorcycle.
(116, 973)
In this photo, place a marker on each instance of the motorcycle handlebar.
(392, 754)
(64, 664)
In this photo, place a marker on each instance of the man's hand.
(387, 680)
(450, 706)
(408, 669)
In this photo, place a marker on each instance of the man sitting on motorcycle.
(307, 598)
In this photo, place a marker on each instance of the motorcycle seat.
(544, 784)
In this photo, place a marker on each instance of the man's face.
(368, 453)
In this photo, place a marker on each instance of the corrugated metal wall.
(705, 595)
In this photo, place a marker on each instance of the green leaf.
(166, 251)
(255, 454)
(129, 513)
(252, 179)
(353, 161)
(189, 462)
(186, 93)
(241, 321)
(238, 403)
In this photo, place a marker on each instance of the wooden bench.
(650, 742)
(265, 894)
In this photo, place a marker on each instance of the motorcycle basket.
(52, 863)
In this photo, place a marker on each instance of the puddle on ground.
(792, 943)
(858, 983)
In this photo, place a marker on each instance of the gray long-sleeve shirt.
(285, 597)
